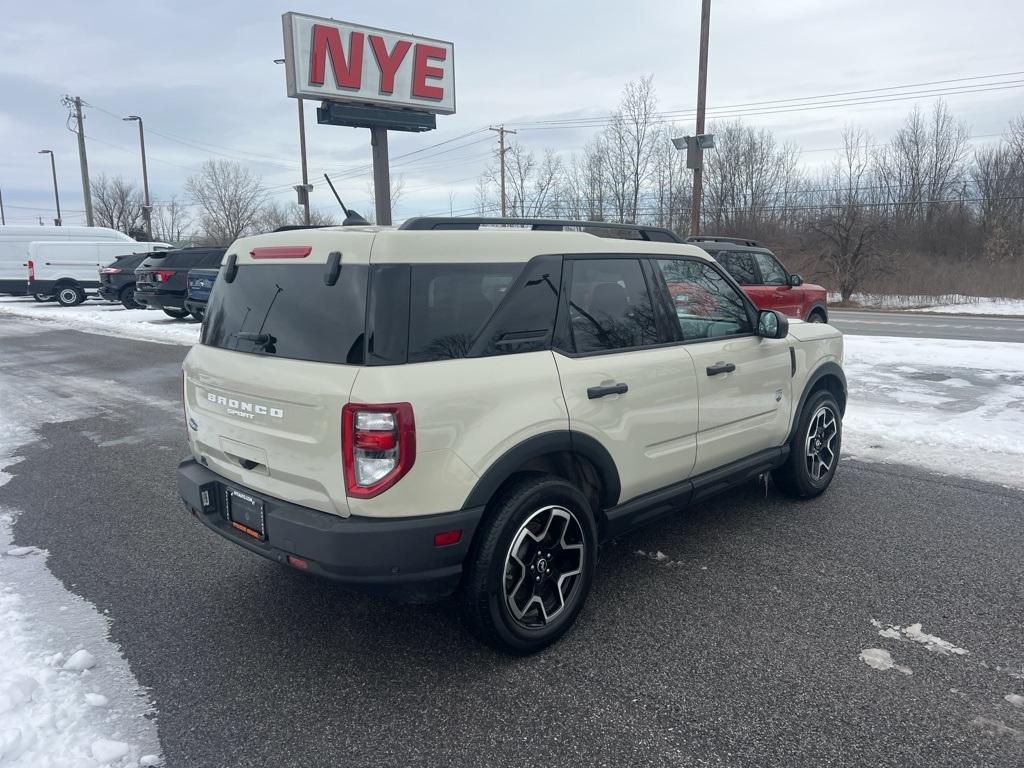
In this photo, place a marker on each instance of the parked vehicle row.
(161, 281)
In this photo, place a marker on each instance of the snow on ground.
(914, 633)
(107, 319)
(881, 659)
(951, 407)
(953, 303)
(67, 695)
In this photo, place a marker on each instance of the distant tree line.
(921, 213)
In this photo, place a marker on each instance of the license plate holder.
(247, 514)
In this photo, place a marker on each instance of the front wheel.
(41, 297)
(177, 314)
(814, 449)
(817, 316)
(531, 568)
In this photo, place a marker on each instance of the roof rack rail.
(717, 239)
(652, 234)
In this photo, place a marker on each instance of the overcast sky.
(202, 75)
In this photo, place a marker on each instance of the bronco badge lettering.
(244, 408)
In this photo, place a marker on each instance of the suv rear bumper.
(394, 556)
(159, 299)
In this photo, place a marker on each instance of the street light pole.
(56, 194)
(147, 209)
(702, 87)
(304, 190)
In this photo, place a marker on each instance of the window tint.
(526, 318)
(450, 304)
(286, 310)
(705, 304)
(609, 305)
(740, 265)
(771, 272)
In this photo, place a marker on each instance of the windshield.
(287, 310)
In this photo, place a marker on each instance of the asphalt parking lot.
(726, 636)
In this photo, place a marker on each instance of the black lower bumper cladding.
(394, 556)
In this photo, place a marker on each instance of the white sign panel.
(338, 61)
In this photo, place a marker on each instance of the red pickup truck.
(763, 278)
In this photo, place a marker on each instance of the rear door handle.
(717, 368)
(612, 389)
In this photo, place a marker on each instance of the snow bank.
(953, 303)
(106, 319)
(67, 695)
(952, 407)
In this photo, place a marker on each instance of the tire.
(198, 314)
(814, 450)
(41, 297)
(507, 553)
(817, 316)
(177, 314)
(127, 298)
(70, 295)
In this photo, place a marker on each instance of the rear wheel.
(530, 570)
(41, 297)
(70, 295)
(177, 314)
(127, 298)
(817, 316)
(814, 449)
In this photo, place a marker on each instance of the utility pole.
(702, 87)
(501, 130)
(75, 103)
(3, 220)
(305, 173)
(147, 210)
(56, 195)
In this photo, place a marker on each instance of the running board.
(642, 510)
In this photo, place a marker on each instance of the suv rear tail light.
(110, 271)
(162, 275)
(378, 445)
(31, 270)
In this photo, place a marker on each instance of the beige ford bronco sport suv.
(464, 405)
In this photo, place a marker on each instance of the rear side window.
(740, 266)
(610, 306)
(286, 310)
(450, 304)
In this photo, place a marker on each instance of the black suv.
(161, 282)
(117, 279)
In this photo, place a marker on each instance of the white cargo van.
(69, 269)
(15, 239)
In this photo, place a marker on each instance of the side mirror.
(796, 281)
(772, 325)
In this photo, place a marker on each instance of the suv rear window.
(286, 310)
(449, 305)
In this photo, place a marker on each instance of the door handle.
(717, 368)
(612, 389)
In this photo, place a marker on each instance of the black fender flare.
(816, 306)
(561, 441)
(825, 369)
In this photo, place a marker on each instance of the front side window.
(740, 265)
(610, 306)
(705, 304)
(450, 304)
(771, 271)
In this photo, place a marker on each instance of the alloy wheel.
(819, 446)
(544, 566)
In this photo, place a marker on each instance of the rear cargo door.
(265, 390)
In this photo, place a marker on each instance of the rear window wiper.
(259, 339)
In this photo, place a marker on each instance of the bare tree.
(172, 222)
(275, 215)
(531, 183)
(117, 204)
(849, 231)
(230, 197)
(630, 140)
(397, 192)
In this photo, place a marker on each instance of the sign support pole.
(381, 175)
